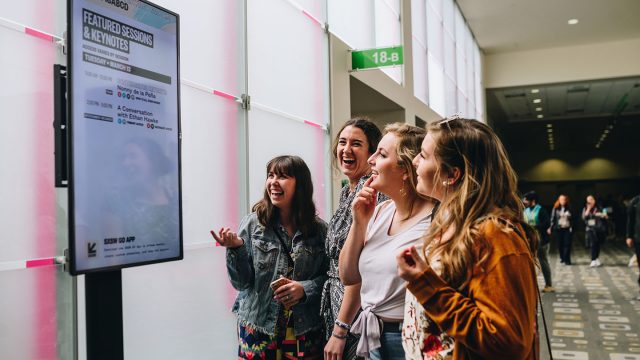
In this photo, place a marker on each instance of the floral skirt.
(284, 344)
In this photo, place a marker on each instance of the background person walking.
(536, 216)
(595, 228)
(562, 227)
(633, 228)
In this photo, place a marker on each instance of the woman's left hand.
(410, 264)
(289, 294)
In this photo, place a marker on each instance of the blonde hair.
(409, 139)
(486, 190)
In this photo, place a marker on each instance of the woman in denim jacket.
(283, 240)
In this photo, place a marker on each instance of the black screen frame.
(73, 269)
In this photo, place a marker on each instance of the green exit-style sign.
(376, 58)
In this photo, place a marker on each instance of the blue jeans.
(391, 348)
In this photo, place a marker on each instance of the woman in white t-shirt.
(377, 234)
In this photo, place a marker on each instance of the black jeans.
(596, 239)
(636, 245)
(564, 244)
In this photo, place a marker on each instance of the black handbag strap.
(544, 322)
(286, 250)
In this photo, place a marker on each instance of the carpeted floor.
(594, 313)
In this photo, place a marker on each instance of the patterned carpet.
(594, 313)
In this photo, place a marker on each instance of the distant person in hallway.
(538, 217)
(562, 227)
(485, 294)
(354, 144)
(595, 228)
(277, 263)
(633, 228)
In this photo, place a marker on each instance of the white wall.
(182, 309)
(563, 64)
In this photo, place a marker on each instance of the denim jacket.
(260, 260)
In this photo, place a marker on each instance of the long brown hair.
(303, 209)
(486, 190)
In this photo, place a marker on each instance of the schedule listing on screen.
(125, 198)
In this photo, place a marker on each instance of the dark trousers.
(564, 244)
(596, 239)
(636, 245)
(543, 257)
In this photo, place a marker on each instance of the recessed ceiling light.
(538, 109)
(540, 116)
(549, 130)
(537, 101)
(549, 125)
(606, 131)
(535, 91)
(610, 126)
(572, 21)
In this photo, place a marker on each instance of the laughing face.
(352, 152)
(281, 189)
(388, 176)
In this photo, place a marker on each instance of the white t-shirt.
(382, 290)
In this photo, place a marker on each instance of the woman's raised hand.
(227, 238)
(365, 203)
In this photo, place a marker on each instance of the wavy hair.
(557, 205)
(303, 209)
(485, 191)
(409, 139)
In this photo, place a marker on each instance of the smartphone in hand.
(279, 282)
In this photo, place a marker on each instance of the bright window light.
(572, 21)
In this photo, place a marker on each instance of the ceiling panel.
(515, 25)
(578, 112)
(598, 94)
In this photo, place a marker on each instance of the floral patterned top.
(339, 226)
(422, 338)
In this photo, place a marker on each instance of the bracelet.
(337, 336)
(342, 325)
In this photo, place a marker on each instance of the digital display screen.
(123, 92)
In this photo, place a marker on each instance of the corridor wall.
(176, 310)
